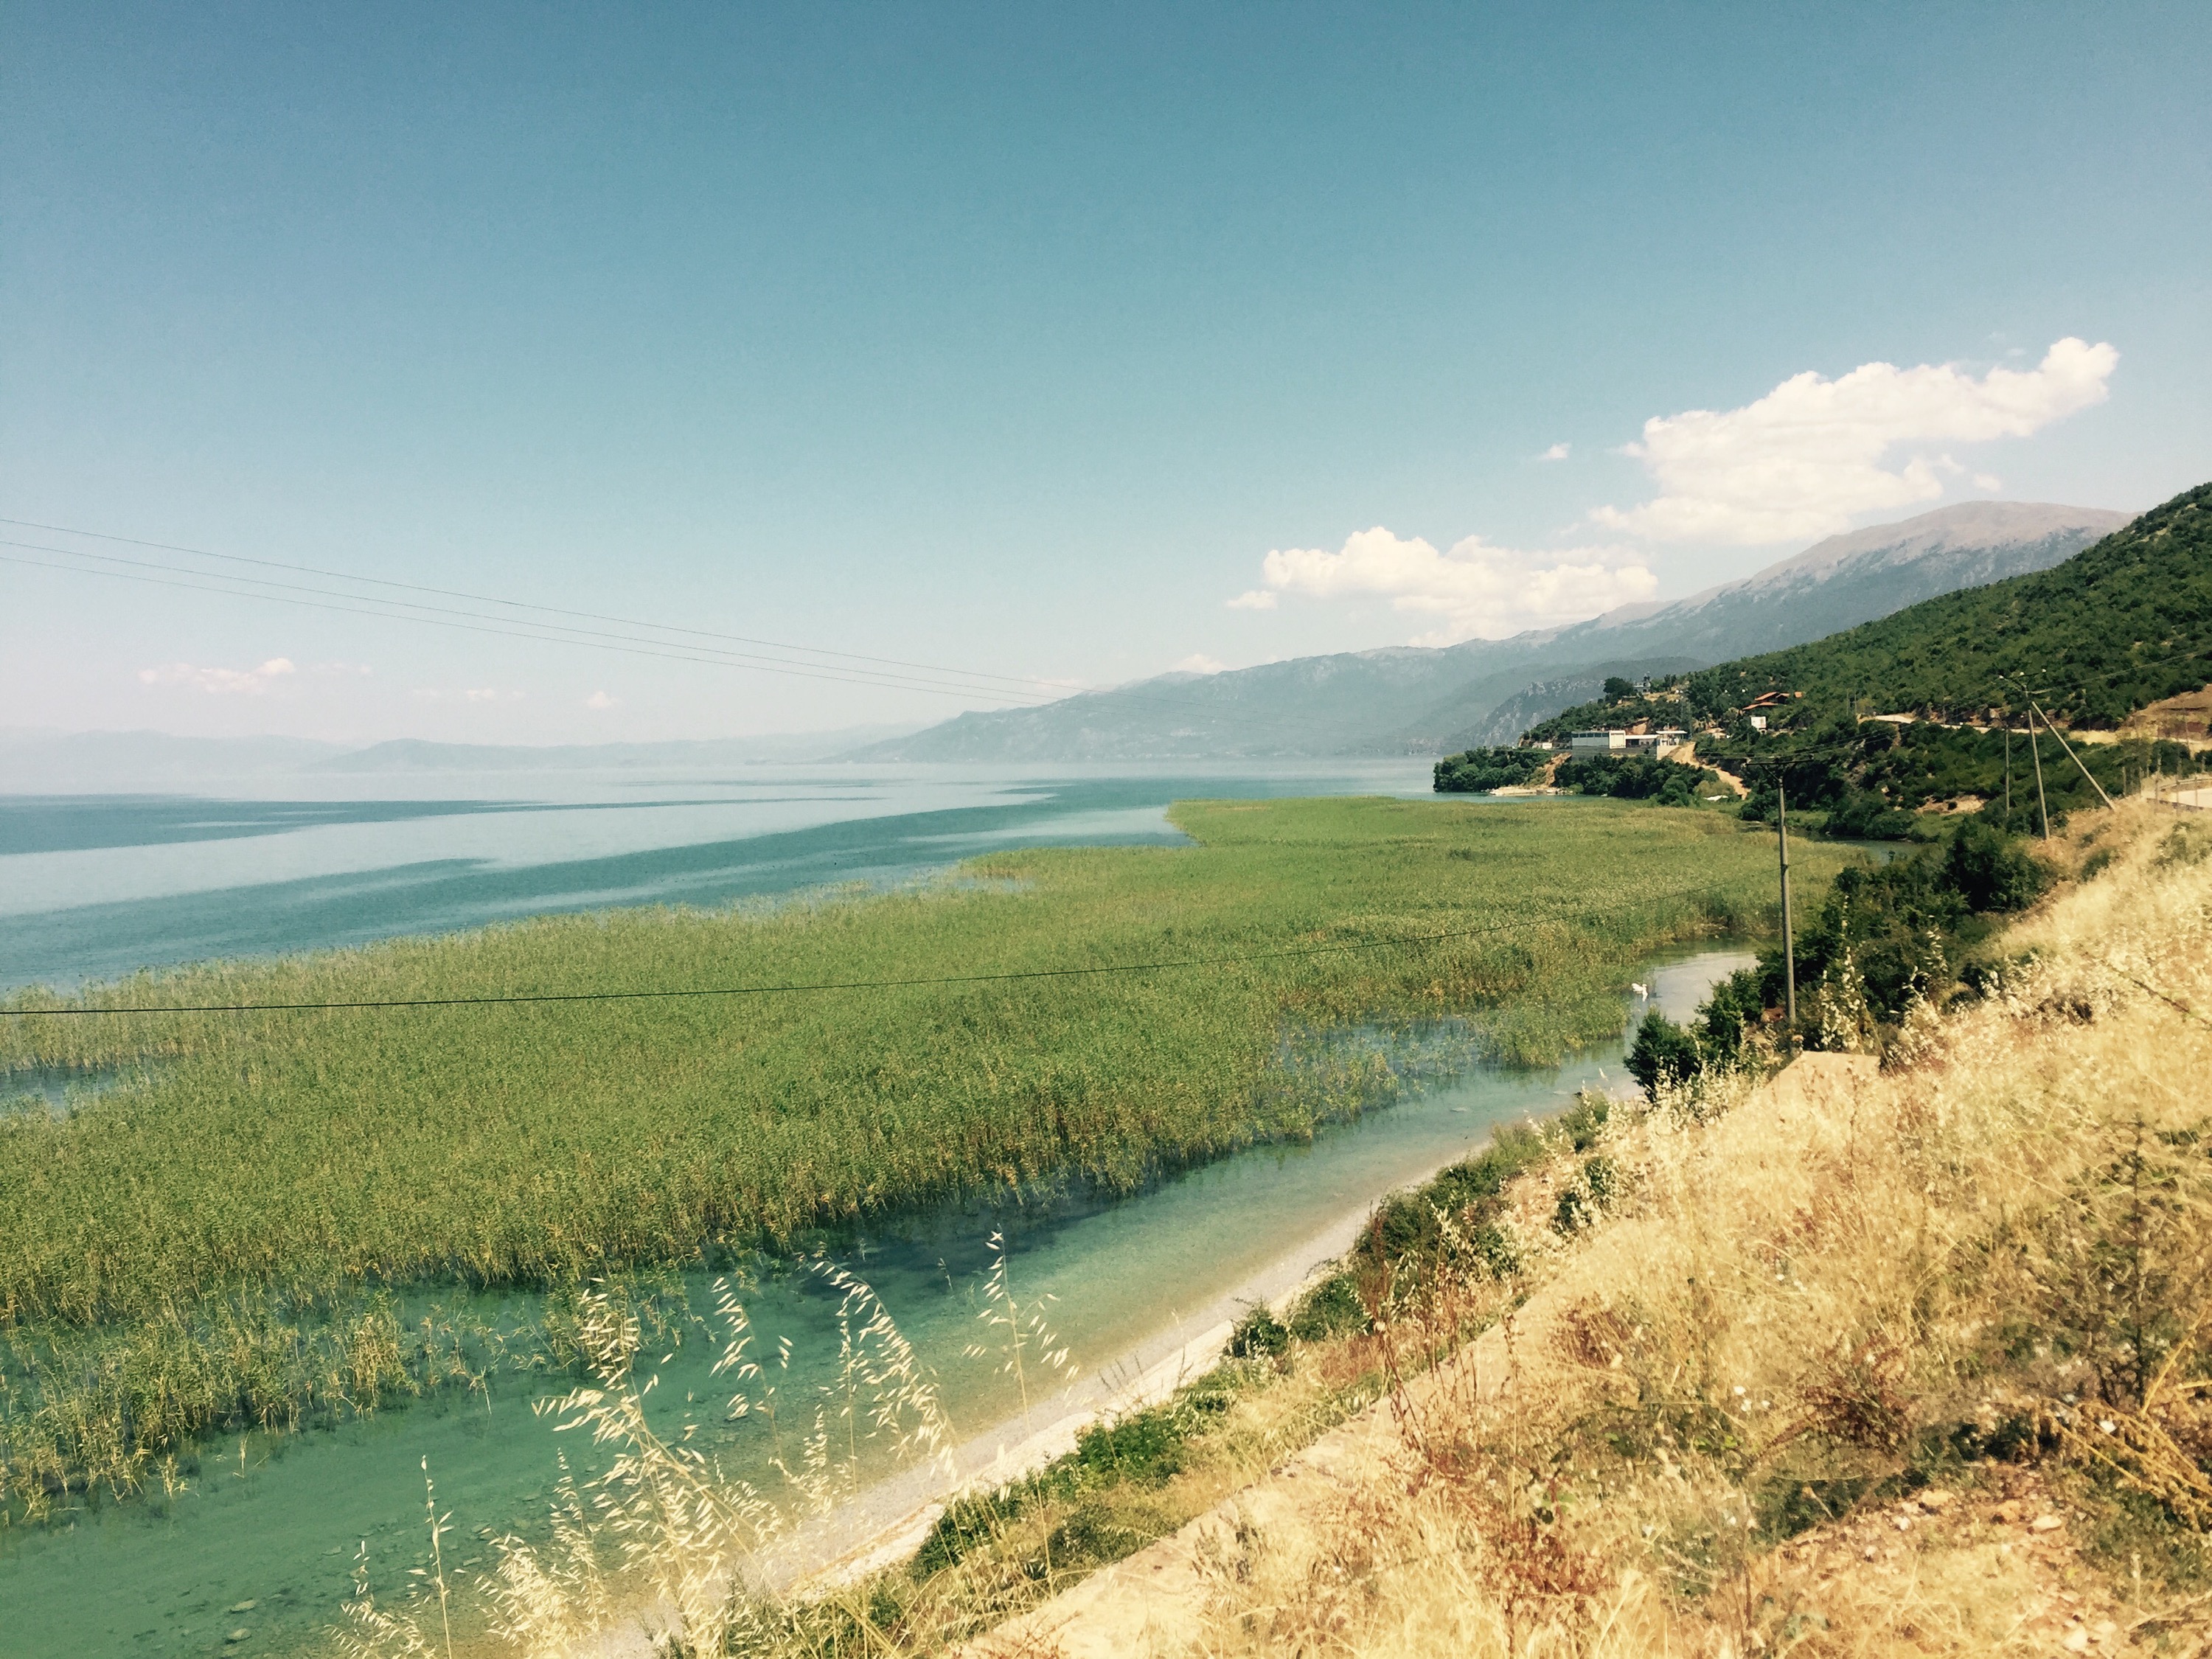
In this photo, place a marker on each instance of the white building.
(1616, 741)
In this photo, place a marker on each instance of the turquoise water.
(95, 886)
(276, 1522)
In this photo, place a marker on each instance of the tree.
(1618, 690)
(1663, 1054)
(1992, 871)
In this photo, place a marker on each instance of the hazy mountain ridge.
(45, 761)
(418, 755)
(1390, 701)
(1860, 576)
(1412, 700)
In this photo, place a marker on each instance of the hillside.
(1409, 699)
(1835, 1365)
(1925, 706)
(2109, 630)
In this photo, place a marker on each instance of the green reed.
(320, 1156)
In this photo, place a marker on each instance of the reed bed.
(313, 1156)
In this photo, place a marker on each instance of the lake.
(96, 886)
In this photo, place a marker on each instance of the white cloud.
(599, 700)
(1475, 589)
(1258, 598)
(251, 682)
(1199, 663)
(1556, 453)
(1809, 457)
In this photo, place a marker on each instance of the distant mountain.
(1345, 704)
(1854, 578)
(51, 762)
(1504, 724)
(1412, 701)
(2122, 625)
(46, 761)
(415, 754)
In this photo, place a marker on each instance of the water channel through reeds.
(263, 1535)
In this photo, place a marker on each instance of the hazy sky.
(1073, 342)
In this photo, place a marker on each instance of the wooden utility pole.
(2075, 758)
(1789, 945)
(2035, 752)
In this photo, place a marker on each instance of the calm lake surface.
(95, 886)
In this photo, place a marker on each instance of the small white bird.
(1642, 992)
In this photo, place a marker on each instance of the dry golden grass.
(1839, 1345)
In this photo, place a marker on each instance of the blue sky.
(1018, 337)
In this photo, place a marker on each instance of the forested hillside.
(1930, 704)
(2122, 625)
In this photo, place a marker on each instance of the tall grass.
(1798, 1374)
(312, 1157)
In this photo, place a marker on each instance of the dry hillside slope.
(1899, 1357)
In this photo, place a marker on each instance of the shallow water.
(95, 886)
(278, 1524)
(60, 1089)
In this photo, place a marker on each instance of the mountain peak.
(1408, 699)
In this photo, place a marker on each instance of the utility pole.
(1789, 945)
(2035, 751)
(2075, 758)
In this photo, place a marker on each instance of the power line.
(595, 639)
(556, 631)
(522, 604)
(636, 650)
(787, 989)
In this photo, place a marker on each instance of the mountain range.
(42, 761)
(1412, 700)
(1399, 701)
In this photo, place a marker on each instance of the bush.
(1735, 1006)
(1864, 815)
(1258, 1335)
(1634, 777)
(1479, 770)
(1663, 1053)
(1331, 1308)
(1992, 871)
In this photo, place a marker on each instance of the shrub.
(1992, 871)
(1663, 1053)
(1258, 1335)
(1479, 770)
(1633, 777)
(1863, 814)
(1330, 1309)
